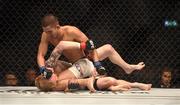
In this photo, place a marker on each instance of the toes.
(141, 63)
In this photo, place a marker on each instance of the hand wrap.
(100, 69)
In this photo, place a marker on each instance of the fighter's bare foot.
(133, 67)
(90, 84)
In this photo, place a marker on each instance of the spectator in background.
(10, 79)
(30, 77)
(166, 77)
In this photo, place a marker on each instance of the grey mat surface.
(32, 96)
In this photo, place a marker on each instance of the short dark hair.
(48, 19)
(166, 69)
(10, 73)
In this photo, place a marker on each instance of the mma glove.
(46, 72)
(100, 69)
(88, 45)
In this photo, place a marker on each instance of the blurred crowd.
(11, 79)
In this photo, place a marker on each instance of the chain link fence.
(135, 28)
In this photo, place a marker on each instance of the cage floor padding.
(32, 96)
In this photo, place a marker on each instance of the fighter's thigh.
(66, 74)
(104, 51)
(123, 82)
(106, 82)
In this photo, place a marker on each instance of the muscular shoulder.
(69, 29)
(75, 33)
(44, 37)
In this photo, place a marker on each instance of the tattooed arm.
(56, 53)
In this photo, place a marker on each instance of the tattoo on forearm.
(53, 58)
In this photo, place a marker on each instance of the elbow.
(39, 56)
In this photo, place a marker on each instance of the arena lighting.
(170, 23)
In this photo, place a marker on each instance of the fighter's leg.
(75, 84)
(111, 84)
(119, 88)
(107, 51)
(141, 86)
(105, 83)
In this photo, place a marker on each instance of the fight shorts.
(82, 68)
(95, 85)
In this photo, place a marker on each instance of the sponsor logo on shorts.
(78, 68)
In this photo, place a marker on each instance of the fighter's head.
(44, 84)
(50, 24)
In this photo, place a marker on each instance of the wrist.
(88, 45)
(83, 45)
(97, 64)
(42, 69)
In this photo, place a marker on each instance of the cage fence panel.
(139, 30)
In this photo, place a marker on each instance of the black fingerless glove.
(88, 45)
(45, 72)
(100, 69)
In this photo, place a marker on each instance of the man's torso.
(71, 54)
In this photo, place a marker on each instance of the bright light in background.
(170, 23)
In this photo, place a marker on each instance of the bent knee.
(109, 48)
